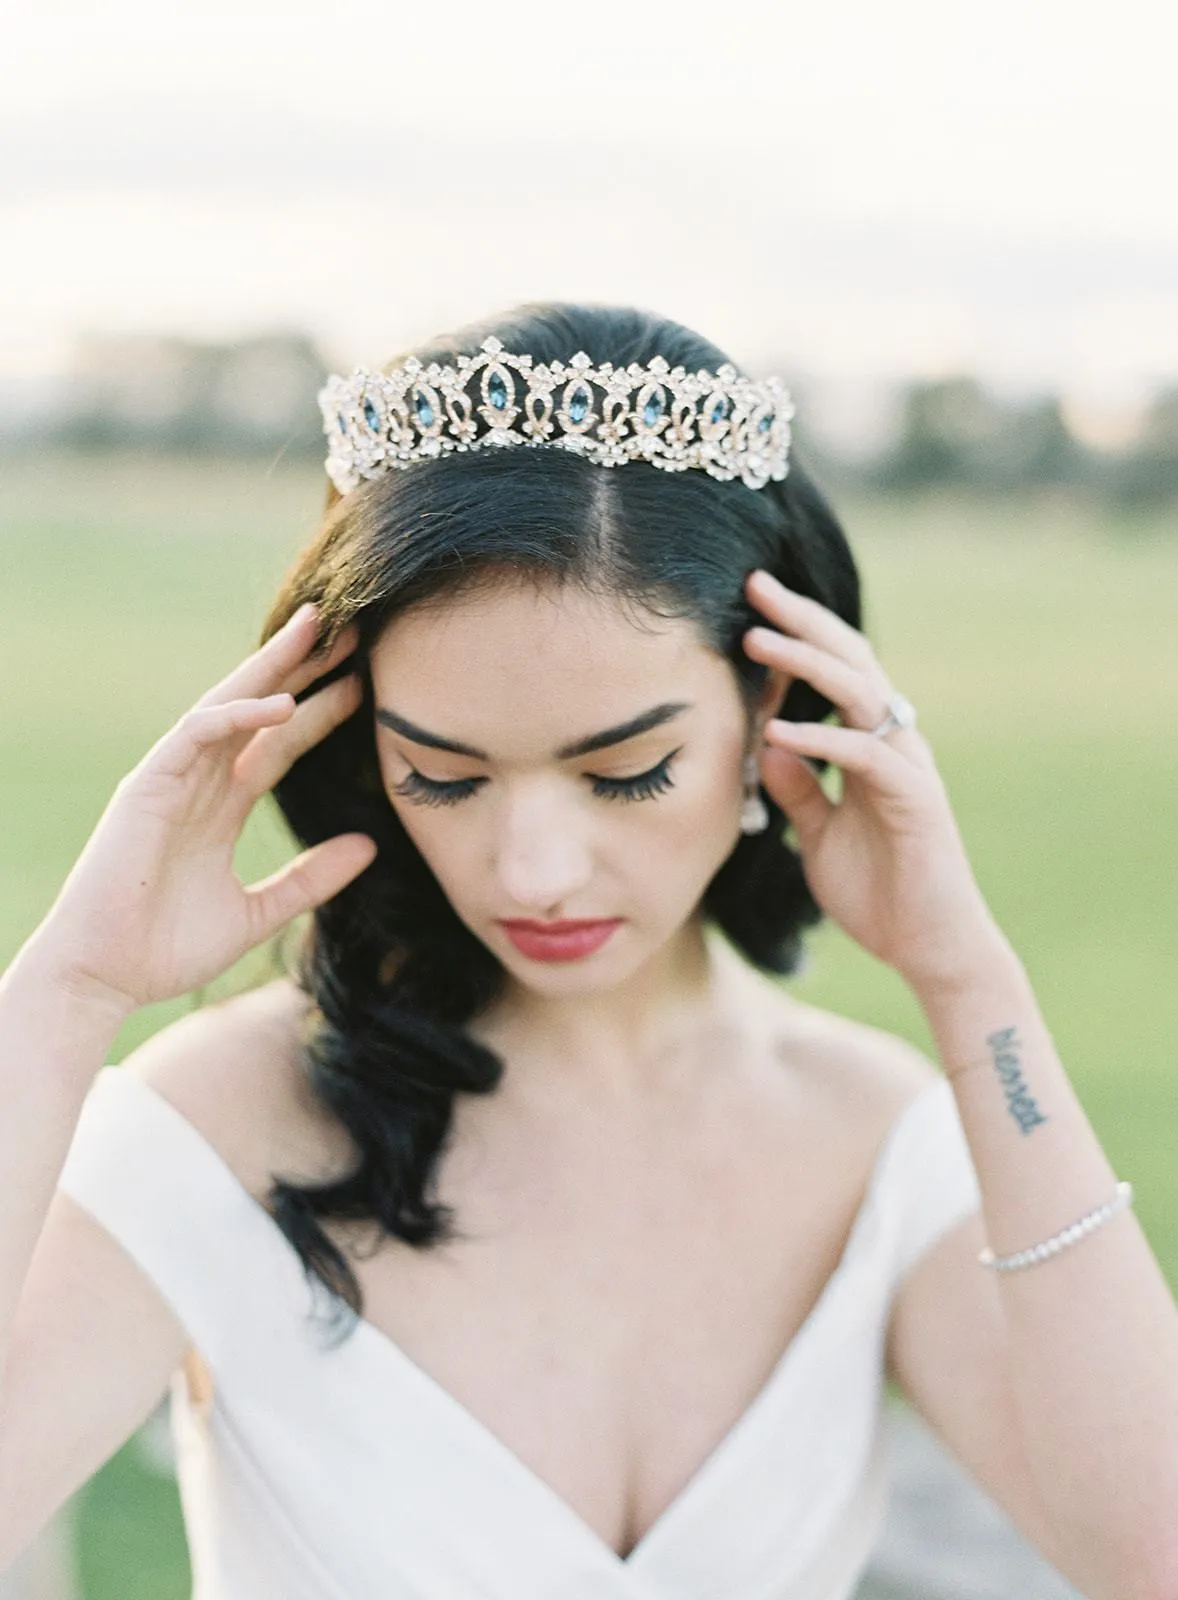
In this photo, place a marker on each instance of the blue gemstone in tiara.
(728, 425)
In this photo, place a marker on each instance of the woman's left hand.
(886, 861)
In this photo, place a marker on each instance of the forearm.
(1093, 1328)
(53, 1039)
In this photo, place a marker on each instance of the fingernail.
(305, 610)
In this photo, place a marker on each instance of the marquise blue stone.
(578, 404)
(497, 391)
(371, 416)
(765, 423)
(341, 422)
(654, 408)
(719, 411)
(425, 412)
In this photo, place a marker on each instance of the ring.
(901, 714)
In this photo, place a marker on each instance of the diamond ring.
(901, 714)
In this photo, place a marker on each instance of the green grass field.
(1037, 640)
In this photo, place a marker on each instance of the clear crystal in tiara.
(731, 426)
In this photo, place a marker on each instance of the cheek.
(668, 857)
(707, 829)
(436, 832)
(452, 849)
(691, 828)
(712, 785)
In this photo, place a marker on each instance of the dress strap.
(928, 1176)
(141, 1169)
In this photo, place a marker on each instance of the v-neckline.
(656, 1534)
(695, 1485)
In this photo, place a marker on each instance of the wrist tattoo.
(1005, 1048)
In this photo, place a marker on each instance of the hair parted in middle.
(393, 974)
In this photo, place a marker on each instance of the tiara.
(729, 425)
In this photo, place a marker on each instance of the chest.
(616, 1298)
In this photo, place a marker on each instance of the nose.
(544, 855)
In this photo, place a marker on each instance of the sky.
(845, 190)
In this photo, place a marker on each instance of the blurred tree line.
(257, 396)
(244, 397)
(952, 432)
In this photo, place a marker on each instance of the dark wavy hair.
(393, 976)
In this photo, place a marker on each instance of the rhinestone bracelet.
(1060, 1241)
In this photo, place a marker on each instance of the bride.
(530, 1238)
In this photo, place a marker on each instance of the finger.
(306, 882)
(271, 753)
(796, 789)
(205, 727)
(265, 671)
(849, 748)
(322, 662)
(799, 614)
(860, 698)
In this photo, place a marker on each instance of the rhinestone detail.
(727, 425)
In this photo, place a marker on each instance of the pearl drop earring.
(754, 814)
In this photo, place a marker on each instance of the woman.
(617, 1238)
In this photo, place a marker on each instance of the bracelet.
(1060, 1241)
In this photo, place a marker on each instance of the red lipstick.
(559, 941)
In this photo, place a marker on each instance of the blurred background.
(952, 231)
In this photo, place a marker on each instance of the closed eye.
(647, 785)
(643, 786)
(425, 791)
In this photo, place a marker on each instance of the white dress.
(350, 1474)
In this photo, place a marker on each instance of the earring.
(754, 814)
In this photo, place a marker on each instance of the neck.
(625, 1040)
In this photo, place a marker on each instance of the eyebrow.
(642, 723)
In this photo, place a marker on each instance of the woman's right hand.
(153, 907)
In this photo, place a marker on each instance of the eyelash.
(642, 786)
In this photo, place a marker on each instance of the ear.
(770, 699)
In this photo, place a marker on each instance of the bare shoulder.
(233, 1069)
(854, 1068)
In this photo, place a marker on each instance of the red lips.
(559, 941)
